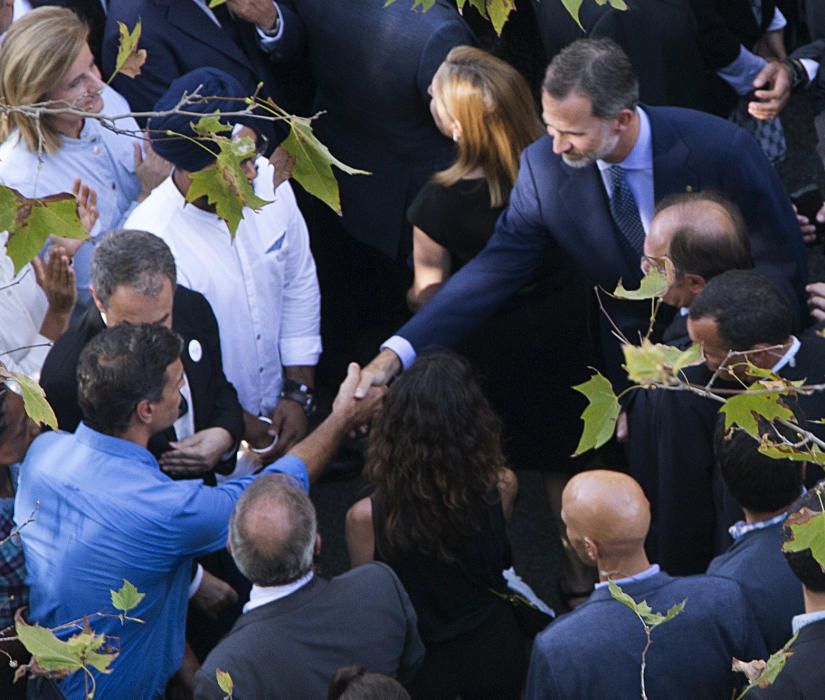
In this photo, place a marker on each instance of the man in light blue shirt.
(107, 513)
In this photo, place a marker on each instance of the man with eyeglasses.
(260, 281)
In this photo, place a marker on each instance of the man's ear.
(144, 411)
(625, 118)
(317, 551)
(98, 303)
(591, 549)
(694, 283)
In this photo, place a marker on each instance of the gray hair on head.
(597, 69)
(272, 531)
(136, 259)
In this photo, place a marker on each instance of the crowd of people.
(204, 374)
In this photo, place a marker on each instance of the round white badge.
(195, 351)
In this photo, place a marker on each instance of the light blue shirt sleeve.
(401, 347)
(266, 40)
(740, 72)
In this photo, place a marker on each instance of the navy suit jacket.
(803, 677)
(569, 209)
(595, 651)
(179, 37)
(372, 66)
(755, 561)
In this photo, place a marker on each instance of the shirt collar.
(650, 572)
(800, 621)
(261, 595)
(742, 528)
(641, 156)
(113, 445)
(789, 358)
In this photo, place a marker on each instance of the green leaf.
(499, 11)
(654, 363)
(127, 598)
(809, 453)
(600, 415)
(31, 221)
(79, 651)
(224, 681)
(618, 4)
(643, 610)
(215, 3)
(573, 7)
(129, 59)
(313, 163)
(210, 125)
(768, 675)
(745, 409)
(808, 534)
(34, 400)
(653, 286)
(224, 183)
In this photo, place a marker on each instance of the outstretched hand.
(357, 410)
(87, 210)
(150, 168)
(381, 369)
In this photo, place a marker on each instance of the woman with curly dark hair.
(437, 517)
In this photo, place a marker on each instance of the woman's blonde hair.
(497, 114)
(37, 52)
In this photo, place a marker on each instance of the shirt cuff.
(266, 40)
(292, 466)
(778, 22)
(740, 72)
(197, 579)
(301, 350)
(811, 68)
(401, 347)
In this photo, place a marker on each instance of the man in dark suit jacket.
(590, 108)
(92, 12)
(134, 281)
(594, 651)
(804, 674)
(181, 35)
(298, 629)
(765, 488)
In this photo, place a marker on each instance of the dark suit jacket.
(179, 37)
(659, 36)
(803, 677)
(214, 398)
(91, 12)
(755, 561)
(594, 651)
(568, 208)
(290, 648)
(372, 66)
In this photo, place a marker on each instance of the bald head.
(272, 531)
(608, 508)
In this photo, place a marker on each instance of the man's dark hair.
(120, 367)
(703, 248)
(747, 308)
(274, 559)
(807, 569)
(758, 482)
(356, 683)
(136, 259)
(597, 69)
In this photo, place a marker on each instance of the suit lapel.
(672, 172)
(192, 20)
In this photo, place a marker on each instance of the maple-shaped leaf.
(225, 682)
(807, 532)
(498, 11)
(744, 410)
(130, 58)
(210, 125)
(313, 163)
(653, 286)
(127, 598)
(224, 183)
(655, 363)
(52, 654)
(600, 415)
(643, 609)
(30, 222)
(34, 398)
(764, 673)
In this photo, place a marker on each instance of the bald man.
(595, 651)
(297, 628)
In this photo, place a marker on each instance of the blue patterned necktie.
(624, 210)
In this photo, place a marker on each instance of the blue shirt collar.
(742, 528)
(641, 156)
(800, 621)
(114, 445)
(650, 572)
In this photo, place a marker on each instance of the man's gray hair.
(137, 259)
(594, 68)
(282, 555)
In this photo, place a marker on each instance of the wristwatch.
(300, 394)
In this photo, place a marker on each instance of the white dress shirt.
(261, 595)
(262, 286)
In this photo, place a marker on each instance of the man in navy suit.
(765, 488)
(589, 189)
(595, 651)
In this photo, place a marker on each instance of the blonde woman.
(45, 59)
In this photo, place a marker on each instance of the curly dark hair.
(434, 458)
